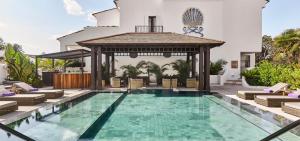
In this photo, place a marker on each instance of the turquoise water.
(70, 124)
(150, 116)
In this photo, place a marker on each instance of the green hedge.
(268, 74)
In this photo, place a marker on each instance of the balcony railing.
(143, 28)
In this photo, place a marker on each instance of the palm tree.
(182, 68)
(131, 71)
(288, 46)
(153, 68)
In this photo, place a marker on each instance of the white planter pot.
(214, 79)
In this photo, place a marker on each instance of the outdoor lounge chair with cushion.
(50, 94)
(274, 100)
(7, 107)
(292, 108)
(21, 99)
(274, 90)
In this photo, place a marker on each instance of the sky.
(36, 24)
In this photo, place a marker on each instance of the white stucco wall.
(237, 22)
(109, 17)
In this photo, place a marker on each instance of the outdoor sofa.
(274, 90)
(7, 107)
(50, 94)
(274, 100)
(292, 108)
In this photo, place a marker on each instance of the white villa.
(237, 22)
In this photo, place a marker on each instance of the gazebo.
(151, 44)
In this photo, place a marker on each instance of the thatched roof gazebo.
(149, 44)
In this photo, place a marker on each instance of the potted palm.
(182, 68)
(153, 68)
(216, 69)
(132, 72)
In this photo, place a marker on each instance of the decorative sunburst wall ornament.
(193, 20)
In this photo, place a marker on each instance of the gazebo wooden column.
(93, 68)
(201, 74)
(99, 84)
(113, 72)
(194, 65)
(207, 68)
(107, 67)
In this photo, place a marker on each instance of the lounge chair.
(292, 108)
(21, 99)
(274, 100)
(50, 94)
(274, 90)
(7, 107)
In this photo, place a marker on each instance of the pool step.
(93, 130)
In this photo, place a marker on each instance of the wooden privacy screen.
(71, 81)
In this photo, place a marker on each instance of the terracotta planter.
(115, 82)
(191, 83)
(166, 83)
(135, 83)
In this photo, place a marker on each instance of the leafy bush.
(20, 68)
(217, 67)
(268, 74)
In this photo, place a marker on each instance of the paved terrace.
(231, 90)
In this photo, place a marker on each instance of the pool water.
(152, 116)
(70, 124)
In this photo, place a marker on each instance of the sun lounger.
(25, 99)
(273, 100)
(292, 108)
(50, 94)
(7, 107)
(21, 99)
(274, 90)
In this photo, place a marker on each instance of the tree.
(267, 49)
(20, 68)
(182, 68)
(131, 71)
(153, 68)
(288, 46)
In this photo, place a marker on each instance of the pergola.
(65, 55)
(149, 44)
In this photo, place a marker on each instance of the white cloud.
(2, 24)
(73, 7)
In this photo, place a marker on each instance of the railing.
(18, 135)
(282, 131)
(143, 28)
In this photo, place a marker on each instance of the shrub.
(268, 74)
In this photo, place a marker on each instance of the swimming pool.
(149, 115)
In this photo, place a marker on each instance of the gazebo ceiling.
(146, 39)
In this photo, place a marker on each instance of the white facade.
(237, 22)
